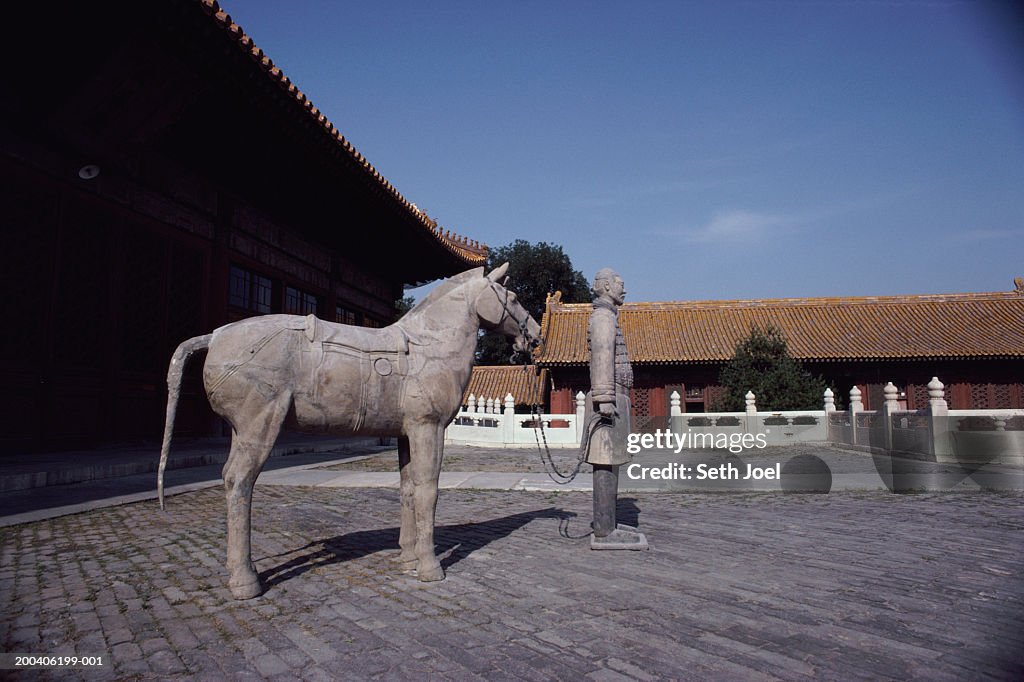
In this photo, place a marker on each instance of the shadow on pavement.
(458, 541)
(627, 512)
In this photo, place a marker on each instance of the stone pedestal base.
(623, 537)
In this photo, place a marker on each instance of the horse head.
(499, 310)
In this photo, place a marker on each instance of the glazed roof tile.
(468, 250)
(960, 326)
(492, 381)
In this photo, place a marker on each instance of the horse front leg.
(407, 536)
(426, 447)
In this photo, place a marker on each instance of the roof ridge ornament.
(1018, 286)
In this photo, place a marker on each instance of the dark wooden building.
(973, 342)
(160, 177)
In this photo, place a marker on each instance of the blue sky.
(705, 150)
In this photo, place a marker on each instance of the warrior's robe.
(611, 377)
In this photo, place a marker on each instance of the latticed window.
(298, 302)
(919, 392)
(345, 315)
(640, 398)
(249, 290)
(371, 322)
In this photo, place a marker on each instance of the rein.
(550, 468)
(522, 324)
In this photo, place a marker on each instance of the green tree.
(404, 305)
(534, 271)
(762, 364)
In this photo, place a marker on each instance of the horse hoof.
(430, 574)
(246, 590)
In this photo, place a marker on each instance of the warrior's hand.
(608, 410)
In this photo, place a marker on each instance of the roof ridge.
(970, 325)
(469, 250)
(803, 301)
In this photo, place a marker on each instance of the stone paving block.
(179, 635)
(165, 662)
(269, 664)
(187, 610)
(318, 674)
(293, 656)
(252, 647)
(27, 620)
(25, 639)
(126, 651)
(607, 675)
(755, 656)
(153, 645)
(629, 669)
(312, 645)
(523, 664)
(468, 658)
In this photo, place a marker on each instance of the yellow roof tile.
(973, 325)
(525, 384)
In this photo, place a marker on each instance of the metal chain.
(547, 460)
(545, 452)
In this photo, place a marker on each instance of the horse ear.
(498, 272)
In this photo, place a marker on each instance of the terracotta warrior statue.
(607, 420)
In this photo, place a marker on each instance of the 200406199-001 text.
(41, 661)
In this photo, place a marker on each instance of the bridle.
(522, 324)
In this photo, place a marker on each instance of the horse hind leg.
(251, 444)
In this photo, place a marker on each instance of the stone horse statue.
(267, 373)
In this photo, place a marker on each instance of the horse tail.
(174, 374)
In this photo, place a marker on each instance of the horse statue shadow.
(461, 540)
(275, 372)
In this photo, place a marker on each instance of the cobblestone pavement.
(736, 586)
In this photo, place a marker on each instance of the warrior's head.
(609, 285)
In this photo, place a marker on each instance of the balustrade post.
(675, 412)
(937, 404)
(890, 405)
(675, 405)
(509, 420)
(751, 420)
(855, 406)
(830, 401)
(855, 402)
(938, 420)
